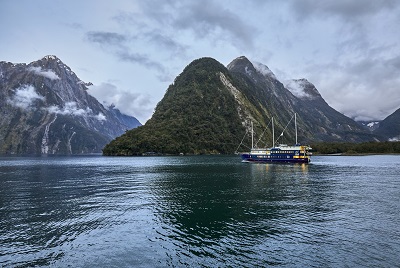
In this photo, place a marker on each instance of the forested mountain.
(198, 114)
(45, 109)
(210, 107)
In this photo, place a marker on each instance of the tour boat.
(281, 153)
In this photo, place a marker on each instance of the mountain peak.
(242, 63)
(264, 70)
(50, 60)
(303, 89)
(50, 57)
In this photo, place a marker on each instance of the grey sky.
(132, 50)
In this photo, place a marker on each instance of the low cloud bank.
(24, 97)
(45, 73)
(71, 108)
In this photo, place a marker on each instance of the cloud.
(263, 69)
(107, 38)
(206, 20)
(297, 89)
(349, 50)
(348, 10)
(141, 59)
(134, 104)
(167, 42)
(48, 73)
(118, 45)
(364, 89)
(209, 19)
(71, 108)
(24, 97)
(100, 117)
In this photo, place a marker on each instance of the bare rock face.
(319, 121)
(45, 109)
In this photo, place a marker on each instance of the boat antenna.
(295, 126)
(252, 135)
(273, 133)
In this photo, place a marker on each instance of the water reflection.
(206, 211)
(39, 212)
(248, 205)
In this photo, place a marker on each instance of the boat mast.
(295, 126)
(273, 133)
(252, 135)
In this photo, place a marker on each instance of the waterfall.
(45, 139)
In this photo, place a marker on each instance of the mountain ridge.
(46, 109)
(390, 127)
(244, 94)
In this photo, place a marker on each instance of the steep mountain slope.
(390, 127)
(323, 121)
(198, 114)
(317, 120)
(210, 107)
(45, 109)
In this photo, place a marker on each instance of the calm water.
(202, 211)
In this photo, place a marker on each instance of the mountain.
(198, 114)
(46, 109)
(318, 121)
(390, 127)
(210, 107)
(370, 125)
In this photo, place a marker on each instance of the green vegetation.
(196, 116)
(357, 148)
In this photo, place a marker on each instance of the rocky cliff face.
(318, 121)
(45, 109)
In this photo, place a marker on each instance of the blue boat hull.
(273, 159)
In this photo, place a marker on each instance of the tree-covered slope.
(198, 114)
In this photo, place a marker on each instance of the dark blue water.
(200, 211)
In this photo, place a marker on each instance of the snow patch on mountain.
(248, 72)
(24, 97)
(45, 73)
(264, 70)
(372, 124)
(51, 57)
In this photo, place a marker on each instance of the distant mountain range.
(210, 107)
(46, 109)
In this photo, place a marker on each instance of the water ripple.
(210, 211)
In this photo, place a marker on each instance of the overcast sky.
(132, 50)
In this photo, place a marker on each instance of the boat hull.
(272, 159)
